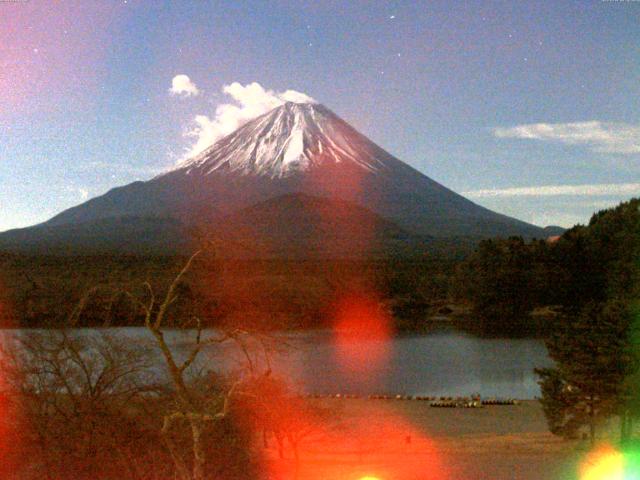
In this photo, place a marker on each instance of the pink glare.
(49, 60)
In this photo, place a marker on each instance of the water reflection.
(442, 363)
(446, 363)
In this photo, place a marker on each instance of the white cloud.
(182, 85)
(82, 193)
(606, 137)
(250, 101)
(601, 189)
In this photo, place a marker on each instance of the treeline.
(594, 343)
(513, 287)
(93, 403)
(285, 294)
(505, 280)
(589, 279)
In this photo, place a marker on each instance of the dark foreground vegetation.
(507, 287)
(588, 279)
(92, 406)
(274, 294)
(595, 342)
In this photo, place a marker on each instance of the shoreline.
(428, 328)
(411, 441)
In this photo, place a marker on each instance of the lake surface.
(442, 363)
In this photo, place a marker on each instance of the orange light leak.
(604, 463)
(10, 412)
(362, 329)
(377, 444)
(608, 463)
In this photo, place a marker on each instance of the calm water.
(443, 363)
(446, 363)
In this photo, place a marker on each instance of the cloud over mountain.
(248, 102)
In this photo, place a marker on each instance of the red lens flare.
(10, 410)
(362, 329)
(375, 444)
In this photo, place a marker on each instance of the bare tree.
(275, 410)
(92, 401)
(192, 409)
(74, 391)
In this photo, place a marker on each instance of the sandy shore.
(409, 440)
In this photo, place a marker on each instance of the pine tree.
(593, 359)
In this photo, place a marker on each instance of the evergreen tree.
(499, 280)
(595, 268)
(593, 359)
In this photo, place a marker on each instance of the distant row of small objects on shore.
(442, 402)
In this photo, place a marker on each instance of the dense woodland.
(39, 291)
(509, 287)
(589, 280)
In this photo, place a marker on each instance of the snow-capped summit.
(291, 138)
(281, 166)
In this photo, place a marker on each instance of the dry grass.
(407, 440)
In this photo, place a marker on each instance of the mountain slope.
(290, 226)
(126, 234)
(296, 148)
(298, 226)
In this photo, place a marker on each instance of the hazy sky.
(529, 108)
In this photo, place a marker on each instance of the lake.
(443, 363)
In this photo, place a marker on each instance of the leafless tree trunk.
(70, 389)
(191, 410)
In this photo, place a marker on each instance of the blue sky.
(529, 108)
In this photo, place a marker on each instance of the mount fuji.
(296, 169)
